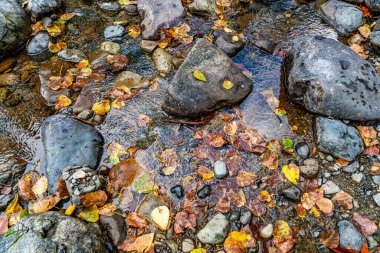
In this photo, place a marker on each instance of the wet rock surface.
(53, 232)
(14, 27)
(349, 236)
(322, 79)
(69, 142)
(38, 47)
(338, 139)
(191, 98)
(37, 8)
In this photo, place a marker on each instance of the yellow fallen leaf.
(53, 30)
(238, 242)
(199, 75)
(102, 107)
(282, 229)
(83, 64)
(227, 85)
(40, 187)
(134, 30)
(160, 217)
(69, 211)
(199, 250)
(62, 101)
(67, 16)
(291, 172)
(90, 214)
(14, 206)
(56, 47)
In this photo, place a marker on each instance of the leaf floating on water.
(199, 76)
(122, 175)
(287, 143)
(102, 107)
(291, 172)
(344, 200)
(142, 244)
(90, 214)
(227, 85)
(62, 101)
(160, 217)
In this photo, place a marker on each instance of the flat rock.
(349, 236)
(14, 27)
(191, 98)
(53, 232)
(337, 139)
(326, 77)
(309, 168)
(203, 7)
(38, 47)
(68, 142)
(330, 188)
(155, 17)
(37, 8)
(344, 17)
(215, 231)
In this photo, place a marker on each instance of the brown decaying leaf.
(369, 135)
(366, 226)
(61, 189)
(98, 198)
(107, 210)
(184, 220)
(26, 184)
(122, 175)
(3, 224)
(257, 207)
(359, 49)
(216, 140)
(117, 61)
(245, 178)
(343, 199)
(329, 238)
(135, 220)
(371, 151)
(43, 205)
(144, 120)
(234, 161)
(224, 204)
(237, 197)
(325, 205)
(142, 244)
(171, 161)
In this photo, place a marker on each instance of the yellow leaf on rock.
(14, 206)
(205, 173)
(238, 242)
(199, 75)
(199, 250)
(282, 230)
(160, 217)
(53, 30)
(69, 211)
(102, 107)
(365, 31)
(118, 104)
(291, 172)
(40, 187)
(62, 101)
(67, 16)
(115, 150)
(227, 85)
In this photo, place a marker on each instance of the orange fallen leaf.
(142, 244)
(144, 120)
(98, 198)
(107, 210)
(325, 205)
(43, 205)
(344, 200)
(26, 184)
(136, 220)
(245, 178)
(329, 238)
(369, 135)
(238, 242)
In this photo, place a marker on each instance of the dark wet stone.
(177, 191)
(349, 236)
(292, 193)
(69, 142)
(328, 78)
(225, 43)
(191, 98)
(337, 139)
(202, 7)
(114, 33)
(53, 232)
(154, 18)
(344, 17)
(265, 45)
(204, 192)
(85, 99)
(132, 10)
(235, 226)
(38, 47)
(115, 226)
(234, 215)
(5, 200)
(309, 168)
(37, 8)
(14, 27)
(373, 5)
(302, 150)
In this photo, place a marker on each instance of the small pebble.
(357, 177)
(204, 192)
(177, 191)
(220, 169)
(266, 231)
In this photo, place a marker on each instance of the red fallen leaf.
(4, 224)
(364, 248)
(343, 250)
(194, 207)
(365, 10)
(284, 245)
(257, 207)
(244, 178)
(343, 199)
(61, 189)
(364, 225)
(371, 151)
(342, 162)
(136, 220)
(329, 238)
(98, 198)
(200, 135)
(216, 140)
(224, 204)
(250, 139)
(184, 220)
(234, 161)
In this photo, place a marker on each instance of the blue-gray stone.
(349, 236)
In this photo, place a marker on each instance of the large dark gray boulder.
(53, 232)
(157, 13)
(15, 27)
(191, 98)
(337, 139)
(326, 77)
(37, 8)
(69, 142)
(344, 17)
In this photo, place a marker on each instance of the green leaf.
(287, 143)
(90, 214)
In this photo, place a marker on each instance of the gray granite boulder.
(326, 77)
(37, 8)
(15, 27)
(157, 13)
(52, 232)
(344, 17)
(337, 139)
(38, 47)
(191, 98)
(69, 142)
